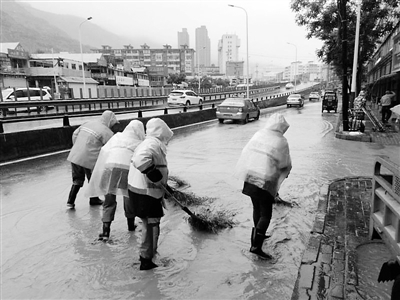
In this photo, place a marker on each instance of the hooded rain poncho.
(88, 139)
(265, 160)
(110, 174)
(151, 152)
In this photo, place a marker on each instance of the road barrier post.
(66, 121)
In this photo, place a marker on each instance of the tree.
(176, 78)
(322, 19)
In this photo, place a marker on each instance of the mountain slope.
(40, 31)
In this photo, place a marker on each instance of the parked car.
(240, 109)
(295, 99)
(314, 96)
(21, 94)
(184, 97)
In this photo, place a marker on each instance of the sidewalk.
(328, 269)
(329, 265)
(390, 137)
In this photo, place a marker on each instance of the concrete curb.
(351, 136)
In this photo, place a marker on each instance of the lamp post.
(198, 66)
(247, 45)
(83, 66)
(295, 66)
(355, 58)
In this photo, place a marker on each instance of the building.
(13, 64)
(234, 69)
(228, 51)
(162, 61)
(383, 69)
(183, 38)
(203, 48)
(302, 72)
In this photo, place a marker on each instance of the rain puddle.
(370, 258)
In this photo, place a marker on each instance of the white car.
(295, 99)
(289, 86)
(314, 96)
(21, 94)
(184, 97)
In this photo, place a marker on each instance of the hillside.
(40, 31)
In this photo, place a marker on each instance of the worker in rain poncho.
(87, 141)
(148, 171)
(263, 165)
(110, 175)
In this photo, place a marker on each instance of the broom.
(204, 221)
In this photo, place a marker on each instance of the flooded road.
(50, 252)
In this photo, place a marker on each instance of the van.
(21, 94)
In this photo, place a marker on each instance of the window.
(73, 66)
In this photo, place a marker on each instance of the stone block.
(306, 275)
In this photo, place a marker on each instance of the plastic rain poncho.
(110, 174)
(89, 138)
(265, 160)
(152, 151)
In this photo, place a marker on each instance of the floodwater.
(50, 252)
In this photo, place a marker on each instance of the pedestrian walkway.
(329, 266)
(391, 135)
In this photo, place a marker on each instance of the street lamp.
(295, 66)
(247, 46)
(198, 66)
(83, 66)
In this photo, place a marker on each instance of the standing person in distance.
(263, 165)
(386, 102)
(110, 175)
(148, 171)
(87, 141)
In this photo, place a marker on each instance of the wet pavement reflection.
(50, 252)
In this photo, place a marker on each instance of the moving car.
(289, 86)
(241, 109)
(314, 96)
(21, 94)
(184, 97)
(295, 99)
(329, 101)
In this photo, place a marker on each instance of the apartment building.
(228, 51)
(183, 38)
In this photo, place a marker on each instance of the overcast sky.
(271, 24)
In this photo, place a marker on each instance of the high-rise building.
(228, 50)
(203, 48)
(183, 38)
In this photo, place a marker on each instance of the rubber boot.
(105, 235)
(96, 201)
(131, 224)
(253, 232)
(72, 196)
(257, 242)
(146, 264)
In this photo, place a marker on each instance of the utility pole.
(345, 95)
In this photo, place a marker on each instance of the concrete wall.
(24, 144)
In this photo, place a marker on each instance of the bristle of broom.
(210, 221)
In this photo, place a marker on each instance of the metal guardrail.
(385, 205)
(65, 109)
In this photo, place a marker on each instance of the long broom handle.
(184, 208)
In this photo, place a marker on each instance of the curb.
(352, 136)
